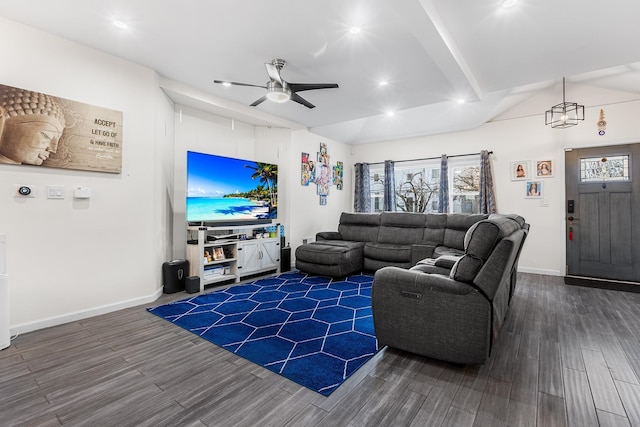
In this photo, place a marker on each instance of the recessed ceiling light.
(391, 113)
(227, 84)
(354, 30)
(120, 25)
(383, 83)
(461, 101)
(509, 3)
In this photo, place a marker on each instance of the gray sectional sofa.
(443, 282)
(452, 308)
(368, 242)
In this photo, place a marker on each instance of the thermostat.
(81, 193)
(25, 190)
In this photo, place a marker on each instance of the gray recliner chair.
(451, 310)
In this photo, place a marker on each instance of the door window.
(598, 169)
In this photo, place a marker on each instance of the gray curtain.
(487, 192)
(362, 193)
(389, 186)
(443, 192)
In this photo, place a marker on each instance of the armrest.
(446, 261)
(431, 315)
(328, 235)
(420, 252)
(398, 280)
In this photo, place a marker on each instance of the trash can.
(174, 275)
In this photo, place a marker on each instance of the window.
(599, 169)
(464, 189)
(417, 186)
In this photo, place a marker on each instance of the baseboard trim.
(594, 282)
(539, 271)
(84, 314)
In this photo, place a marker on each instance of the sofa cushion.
(517, 218)
(388, 252)
(434, 227)
(457, 226)
(401, 227)
(359, 227)
(328, 252)
(479, 241)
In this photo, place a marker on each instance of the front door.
(602, 212)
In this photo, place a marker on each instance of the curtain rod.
(431, 158)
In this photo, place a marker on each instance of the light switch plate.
(55, 191)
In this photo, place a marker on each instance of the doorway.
(603, 215)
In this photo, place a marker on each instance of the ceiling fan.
(279, 90)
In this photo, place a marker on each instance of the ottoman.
(333, 258)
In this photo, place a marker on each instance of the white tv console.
(233, 252)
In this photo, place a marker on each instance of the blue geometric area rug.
(312, 330)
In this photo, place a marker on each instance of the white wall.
(207, 133)
(307, 216)
(69, 259)
(299, 207)
(525, 138)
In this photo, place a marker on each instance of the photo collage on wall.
(521, 170)
(319, 171)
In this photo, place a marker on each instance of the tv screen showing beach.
(224, 189)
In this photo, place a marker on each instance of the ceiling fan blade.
(300, 100)
(238, 84)
(259, 101)
(299, 87)
(274, 74)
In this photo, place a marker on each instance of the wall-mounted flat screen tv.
(227, 191)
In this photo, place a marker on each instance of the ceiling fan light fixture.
(565, 114)
(278, 94)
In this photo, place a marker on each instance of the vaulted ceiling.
(431, 53)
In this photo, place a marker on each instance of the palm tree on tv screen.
(268, 175)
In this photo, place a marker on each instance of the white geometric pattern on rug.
(311, 329)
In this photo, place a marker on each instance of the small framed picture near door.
(520, 170)
(533, 190)
(544, 168)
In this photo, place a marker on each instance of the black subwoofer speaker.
(174, 275)
(285, 259)
(193, 285)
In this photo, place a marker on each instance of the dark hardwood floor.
(567, 355)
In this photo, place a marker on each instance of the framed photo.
(544, 168)
(533, 190)
(520, 170)
(218, 253)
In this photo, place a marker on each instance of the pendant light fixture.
(565, 114)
